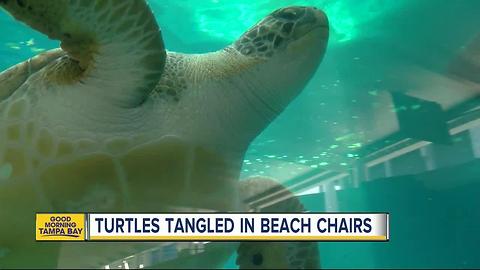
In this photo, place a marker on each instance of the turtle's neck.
(223, 105)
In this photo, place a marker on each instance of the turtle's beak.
(314, 19)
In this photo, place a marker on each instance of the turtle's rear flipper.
(277, 255)
(115, 48)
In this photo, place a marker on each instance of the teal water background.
(344, 122)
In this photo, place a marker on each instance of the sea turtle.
(114, 122)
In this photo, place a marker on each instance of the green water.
(346, 144)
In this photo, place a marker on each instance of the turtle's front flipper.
(15, 76)
(275, 255)
(115, 48)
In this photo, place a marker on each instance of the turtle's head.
(288, 45)
(291, 30)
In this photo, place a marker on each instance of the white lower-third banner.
(238, 227)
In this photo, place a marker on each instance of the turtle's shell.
(42, 171)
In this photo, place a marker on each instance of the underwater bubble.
(373, 93)
(323, 163)
(13, 46)
(355, 145)
(30, 42)
(399, 109)
(457, 139)
(36, 50)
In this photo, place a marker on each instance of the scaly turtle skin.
(114, 122)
